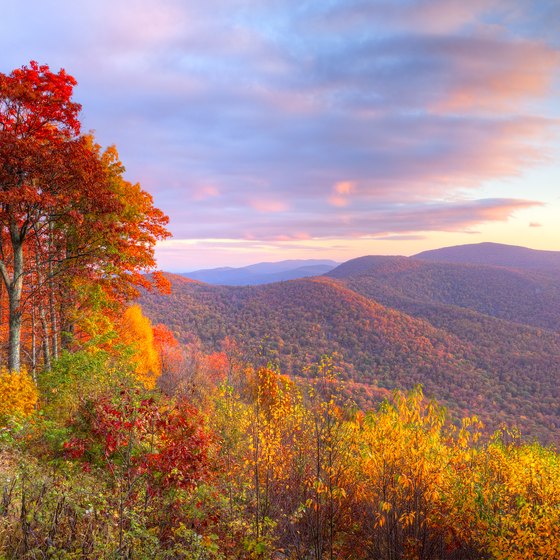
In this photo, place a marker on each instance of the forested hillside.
(474, 363)
(521, 296)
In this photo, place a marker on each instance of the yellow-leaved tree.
(136, 332)
(519, 487)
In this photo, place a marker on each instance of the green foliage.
(73, 375)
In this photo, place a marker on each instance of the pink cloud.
(204, 192)
(525, 71)
(297, 236)
(245, 116)
(341, 191)
(344, 187)
(268, 205)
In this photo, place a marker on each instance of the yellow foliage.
(136, 332)
(19, 394)
(521, 499)
(398, 482)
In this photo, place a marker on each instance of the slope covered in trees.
(474, 363)
(521, 296)
(263, 467)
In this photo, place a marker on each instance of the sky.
(279, 129)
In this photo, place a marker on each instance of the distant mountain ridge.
(263, 273)
(496, 254)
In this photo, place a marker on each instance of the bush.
(19, 394)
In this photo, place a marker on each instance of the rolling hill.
(528, 297)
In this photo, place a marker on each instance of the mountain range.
(262, 273)
(481, 338)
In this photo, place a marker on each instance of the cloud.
(279, 121)
(433, 16)
(338, 223)
(340, 193)
(204, 192)
(268, 206)
(400, 237)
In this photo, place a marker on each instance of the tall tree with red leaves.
(66, 210)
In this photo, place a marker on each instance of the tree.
(19, 394)
(66, 211)
(137, 332)
(149, 450)
(38, 120)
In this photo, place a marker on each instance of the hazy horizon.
(338, 262)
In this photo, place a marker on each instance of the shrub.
(19, 394)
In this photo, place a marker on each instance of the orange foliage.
(136, 331)
(19, 393)
(66, 212)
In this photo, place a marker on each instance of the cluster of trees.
(303, 319)
(520, 356)
(517, 294)
(75, 236)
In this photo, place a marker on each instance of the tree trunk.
(46, 338)
(66, 326)
(14, 294)
(66, 321)
(33, 345)
(52, 310)
(14, 344)
(54, 322)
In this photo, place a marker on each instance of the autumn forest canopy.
(148, 416)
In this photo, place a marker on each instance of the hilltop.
(496, 254)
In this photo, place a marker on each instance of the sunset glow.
(269, 131)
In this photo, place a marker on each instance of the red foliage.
(134, 437)
(162, 283)
(67, 215)
(25, 112)
(182, 457)
(74, 448)
(164, 338)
